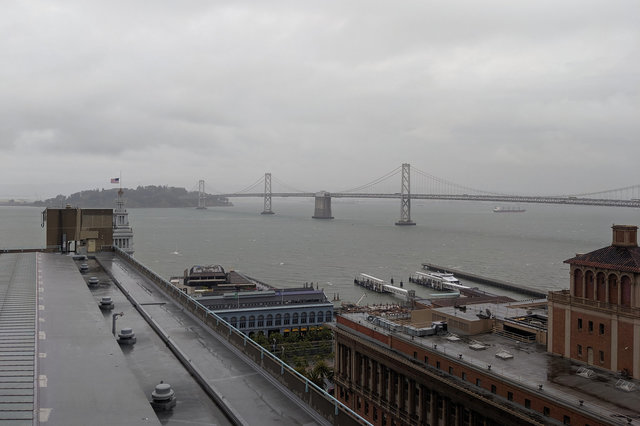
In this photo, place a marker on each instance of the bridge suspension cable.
(374, 182)
(633, 190)
(447, 186)
(285, 186)
(252, 186)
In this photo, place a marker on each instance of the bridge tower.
(202, 196)
(267, 194)
(405, 197)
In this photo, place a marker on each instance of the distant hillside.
(142, 196)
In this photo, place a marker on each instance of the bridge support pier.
(267, 194)
(323, 206)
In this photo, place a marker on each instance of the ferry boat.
(508, 210)
(437, 280)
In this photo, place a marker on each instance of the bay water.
(290, 248)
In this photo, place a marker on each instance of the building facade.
(597, 321)
(295, 310)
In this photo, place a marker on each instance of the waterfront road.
(252, 394)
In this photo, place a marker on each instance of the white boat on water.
(508, 210)
(437, 280)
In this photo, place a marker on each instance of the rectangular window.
(451, 370)
(602, 356)
(366, 407)
(546, 411)
(566, 420)
(426, 360)
(493, 389)
(590, 326)
(527, 403)
(464, 376)
(601, 329)
(438, 365)
(579, 323)
(478, 382)
(375, 413)
(415, 354)
(510, 396)
(579, 350)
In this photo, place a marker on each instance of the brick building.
(597, 321)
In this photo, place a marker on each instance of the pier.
(379, 286)
(484, 280)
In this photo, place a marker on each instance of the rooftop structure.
(213, 279)
(597, 321)
(73, 229)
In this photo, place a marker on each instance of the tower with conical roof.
(122, 232)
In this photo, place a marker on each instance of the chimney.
(625, 236)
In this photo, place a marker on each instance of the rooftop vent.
(625, 385)
(106, 304)
(504, 355)
(625, 236)
(585, 372)
(163, 397)
(127, 336)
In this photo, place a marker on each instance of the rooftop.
(625, 259)
(68, 367)
(530, 367)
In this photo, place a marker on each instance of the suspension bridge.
(429, 187)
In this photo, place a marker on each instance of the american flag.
(115, 180)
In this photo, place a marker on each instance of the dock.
(484, 280)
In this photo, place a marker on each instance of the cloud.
(324, 96)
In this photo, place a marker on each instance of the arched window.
(625, 291)
(278, 319)
(234, 321)
(588, 280)
(252, 321)
(303, 318)
(260, 320)
(243, 322)
(578, 283)
(287, 319)
(328, 317)
(320, 316)
(613, 289)
(601, 288)
(312, 317)
(269, 320)
(295, 318)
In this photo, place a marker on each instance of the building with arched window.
(283, 311)
(597, 321)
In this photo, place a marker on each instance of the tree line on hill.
(142, 196)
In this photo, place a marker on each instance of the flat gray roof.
(252, 393)
(530, 367)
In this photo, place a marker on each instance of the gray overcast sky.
(509, 96)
